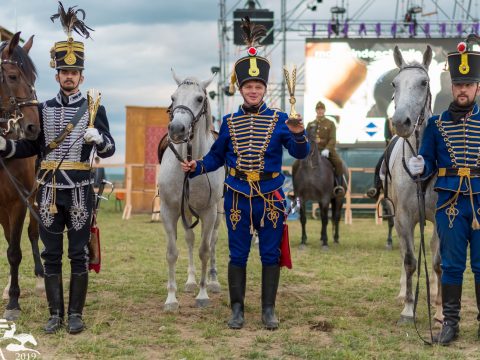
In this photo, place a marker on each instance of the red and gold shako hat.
(252, 66)
(69, 54)
(464, 64)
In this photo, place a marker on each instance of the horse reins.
(188, 141)
(421, 209)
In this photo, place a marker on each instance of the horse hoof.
(190, 287)
(325, 247)
(405, 320)
(389, 247)
(302, 246)
(336, 242)
(12, 315)
(170, 307)
(214, 287)
(201, 303)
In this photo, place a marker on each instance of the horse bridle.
(188, 140)
(12, 114)
(421, 207)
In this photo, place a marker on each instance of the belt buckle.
(465, 171)
(253, 176)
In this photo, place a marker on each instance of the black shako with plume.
(69, 54)
(251, 67)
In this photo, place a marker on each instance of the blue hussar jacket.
(448, 144)
(253, 142)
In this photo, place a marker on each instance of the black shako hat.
(251, 67)
(464, 64)
(69, 54)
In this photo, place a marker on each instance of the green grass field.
(336, 304)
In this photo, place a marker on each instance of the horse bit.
(13, 114)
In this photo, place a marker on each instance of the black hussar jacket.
(55, 114)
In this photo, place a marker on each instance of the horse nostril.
(182, 129)
(408, 122)
(32, 129)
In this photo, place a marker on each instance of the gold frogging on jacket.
(452, 211)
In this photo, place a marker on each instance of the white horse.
(190, 124)
(412, 99)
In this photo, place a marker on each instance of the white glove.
(325, 153)
(92, 135)
(3, 143)
(416, 165)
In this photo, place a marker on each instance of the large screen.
(353, 78)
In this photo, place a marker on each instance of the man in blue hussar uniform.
(250, 144)
(450, 147)
(65, 194)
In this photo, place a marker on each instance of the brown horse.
(313, 179)
(19, 119)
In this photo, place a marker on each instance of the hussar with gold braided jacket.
(250, 144)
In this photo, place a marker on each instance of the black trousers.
(73, 212)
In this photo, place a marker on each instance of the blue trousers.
(454, 240)
(242, 212)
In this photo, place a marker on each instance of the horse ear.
(397, 56)
(177, 80)
(28, 44)
(427, 56)
(12, 44)
(205, 83)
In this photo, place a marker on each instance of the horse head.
(411, 93)
(189, 104)
(19, 115)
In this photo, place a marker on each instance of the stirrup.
(338, 190)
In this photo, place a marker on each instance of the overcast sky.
(135, 43)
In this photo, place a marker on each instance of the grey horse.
(313, 179)
(191, 122)
(412, 98)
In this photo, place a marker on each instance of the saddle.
(163, 144)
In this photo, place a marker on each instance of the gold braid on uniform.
(235, 216)
(462, 140)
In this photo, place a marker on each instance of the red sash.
(285, 255)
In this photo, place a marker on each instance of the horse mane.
(24, 62)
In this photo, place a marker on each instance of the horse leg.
(389, 245)
(324, 216)
(170, 225)
(336, 203)
(405, 228)
(213, 285)
(208, 221)
(33, 235)
(191, 284)
(14, 254)
(303, 221)
(435, 280)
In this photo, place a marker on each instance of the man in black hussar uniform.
(65, 194)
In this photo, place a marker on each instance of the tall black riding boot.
(78, 293)
(339, 189)
(270, 278)
(477, 293)
(54, 290)
(237, 279)
(451, 302)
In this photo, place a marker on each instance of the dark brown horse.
(313, 179)
(19, 119)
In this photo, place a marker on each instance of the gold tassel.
(233, 80)
(475, 223)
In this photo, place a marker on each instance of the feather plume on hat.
(252, 33)
(70, 21)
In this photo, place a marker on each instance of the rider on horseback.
(326, 137)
